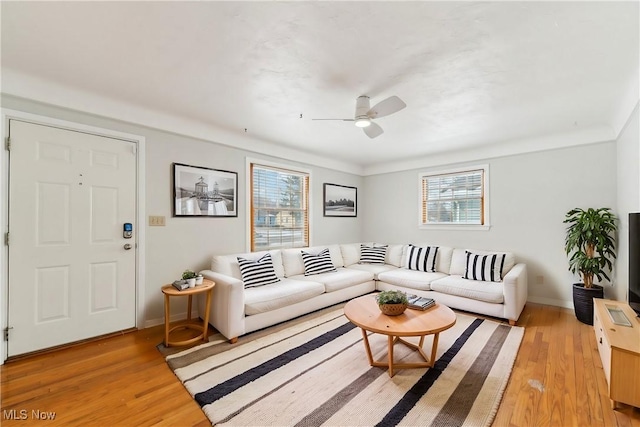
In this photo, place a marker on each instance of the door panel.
(104, 215)
(53, 216)
(52, 293)
(70, 277)
(104, 286)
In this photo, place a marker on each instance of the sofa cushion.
(228, 264)
(410, 278)
(317, 264)
(394, 255)
(421, 258)
(340, 279)
(372, 254)
(487, 268)
(277, 295)
(257, 273)
(473, 289)
(350, 253)
(373, 268)
(459, 260)
(292, 258)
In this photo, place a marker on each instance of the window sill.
(459, 227)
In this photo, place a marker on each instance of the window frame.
(456, 226)
(249, 198)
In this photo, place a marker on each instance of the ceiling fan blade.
(373, 130)
(385, 107)
(344, 120)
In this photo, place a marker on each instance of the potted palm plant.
(590, 245)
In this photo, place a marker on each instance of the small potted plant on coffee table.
(392, 303)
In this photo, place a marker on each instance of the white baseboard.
(174, 318)
(551, 301)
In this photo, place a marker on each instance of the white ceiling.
(474, 75)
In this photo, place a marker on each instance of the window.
(279, 208)
(454, 197)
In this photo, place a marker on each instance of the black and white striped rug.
(316, 373)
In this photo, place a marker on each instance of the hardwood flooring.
(557, 380)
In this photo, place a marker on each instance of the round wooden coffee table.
(364, 312)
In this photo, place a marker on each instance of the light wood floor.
(557, 380)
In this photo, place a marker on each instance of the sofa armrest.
(227, 304)
(515, 292)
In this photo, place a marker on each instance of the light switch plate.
(155, 220)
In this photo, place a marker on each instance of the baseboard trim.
(551, 301)
(69, 345)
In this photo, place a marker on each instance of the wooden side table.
(169, 291)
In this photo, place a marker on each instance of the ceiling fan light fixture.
(362, 108)
(363, 122)
(364, 116)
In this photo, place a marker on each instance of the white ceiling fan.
(364, 115)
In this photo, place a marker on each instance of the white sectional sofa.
(237, 310)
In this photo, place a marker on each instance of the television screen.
(634, 261)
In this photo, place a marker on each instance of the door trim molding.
(139, 140)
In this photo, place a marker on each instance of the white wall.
(189, 242)
(628, 185)
(529, 196)
(530, 193)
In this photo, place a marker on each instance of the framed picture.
(200, 191)
(340, 200)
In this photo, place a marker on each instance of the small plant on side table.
(190, 277)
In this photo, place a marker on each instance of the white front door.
(70, 275)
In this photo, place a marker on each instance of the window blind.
(452, 198)
(279, 208)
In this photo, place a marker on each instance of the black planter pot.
(583, 301)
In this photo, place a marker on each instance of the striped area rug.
(316, 373)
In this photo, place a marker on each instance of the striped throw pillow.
(257, 273)
(421, 259)
(372, 254)
(487, 268)
(316, 264)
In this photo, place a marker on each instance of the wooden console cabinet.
(619, 348)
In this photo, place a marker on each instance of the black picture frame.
(339, 201)
(199, 191)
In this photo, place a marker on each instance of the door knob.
(127, 246)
